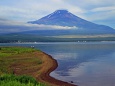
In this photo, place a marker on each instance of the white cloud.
(13, 26)
(111, 8)
(102, 13)
(56, 27)
(26, 10)
(36, 26)
(89, 4)
(17, 13)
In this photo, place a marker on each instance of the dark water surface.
(86, 64)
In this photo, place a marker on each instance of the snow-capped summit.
(61, 11)
(65, 18)
(57, 12)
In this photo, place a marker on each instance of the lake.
(84, 63)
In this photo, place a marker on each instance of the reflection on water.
(86, 64)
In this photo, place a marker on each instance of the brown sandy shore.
(41, 73)
(50, 65)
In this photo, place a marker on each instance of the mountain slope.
(65, 18)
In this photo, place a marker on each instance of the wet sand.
(48, 66)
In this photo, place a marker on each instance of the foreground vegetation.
(10, 51)
(13, 80)
(17, 63)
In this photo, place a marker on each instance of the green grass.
(2, 54)
(24, 58)
(12, 80)
(11, 55)
(7, 51)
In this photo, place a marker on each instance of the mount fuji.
(65, 18)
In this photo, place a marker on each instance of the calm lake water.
(86, 64)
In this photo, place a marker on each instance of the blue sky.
(97, 11)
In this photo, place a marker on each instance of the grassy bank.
(13, 80)
(19, 66)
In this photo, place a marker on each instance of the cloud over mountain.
(8, 26)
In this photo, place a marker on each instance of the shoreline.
(37, 64)
(51, 64)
